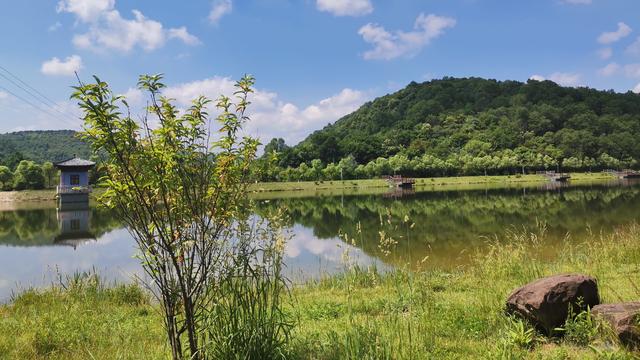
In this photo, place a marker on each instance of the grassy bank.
(7, 198)
(420, 182)
(361, 314)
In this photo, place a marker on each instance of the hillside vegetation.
(40, 146)
(474, 125)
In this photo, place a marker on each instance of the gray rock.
(623, 320)
(545, 302)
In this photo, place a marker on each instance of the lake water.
(443, 226)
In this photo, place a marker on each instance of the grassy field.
(361, 314)
(420, 182)
(12, 199)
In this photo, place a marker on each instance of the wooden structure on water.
(73, 202)
(74, 180)
(554, 176)
(625, 174)
(400, 182)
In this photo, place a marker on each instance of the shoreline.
(421, 183)
(12, 200)
(412, 314)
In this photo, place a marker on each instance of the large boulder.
(545, 302)
(623, 319)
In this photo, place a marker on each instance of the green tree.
(14, 159)
(572, 163)
(276, 145)
(184, 200)
(347, 167)
(609, 162)
(6, 178)
(305, 172)
(28, 175)
(50, 174)
(331, 172)
(589, 163)
(316, 169)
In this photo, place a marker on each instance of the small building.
(400, 182)
(74, 180)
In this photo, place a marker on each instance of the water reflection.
(444, 225)
(74, 224)
(448, 225)
(399, 192)
(50, 226)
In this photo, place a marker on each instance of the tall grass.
(246, 319)
(433, 314)
(81, 318)
(363, 313)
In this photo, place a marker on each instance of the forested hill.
(41, 146)
(454, 117)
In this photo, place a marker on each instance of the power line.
(34, 105)
(48, 103)
(27, 85)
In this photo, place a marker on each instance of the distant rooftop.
(74, 162)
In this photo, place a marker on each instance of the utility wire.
(35, 106)
(27, 85)
(48, 102)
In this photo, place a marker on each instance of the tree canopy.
(533, 123)
(41, 146)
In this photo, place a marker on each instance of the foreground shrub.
(181, 190)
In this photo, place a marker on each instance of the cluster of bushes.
(28, 175)
(468, 162)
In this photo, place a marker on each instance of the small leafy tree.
(50, 173)
(6, 178)
(181, 191)
(28, 175)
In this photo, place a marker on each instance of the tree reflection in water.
(451, 224)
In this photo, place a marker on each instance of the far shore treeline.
(469, 126)
(445, 127)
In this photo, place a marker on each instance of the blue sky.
(314, 60)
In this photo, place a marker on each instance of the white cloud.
(219, 8)
(54, 27)
(270, 115)
(86, 10)
(610, 69)
(182, 34)
(109, 30)
(345, 7)
(67, 67)
(614, 36)
(576, 2)
(605, 53)
(636, 89)
(3, 95)
(134, 96)
(564, 79)
(634, 48)
(632, 70)
(387, 46)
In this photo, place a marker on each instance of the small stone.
(545, 302)
(623, 319)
